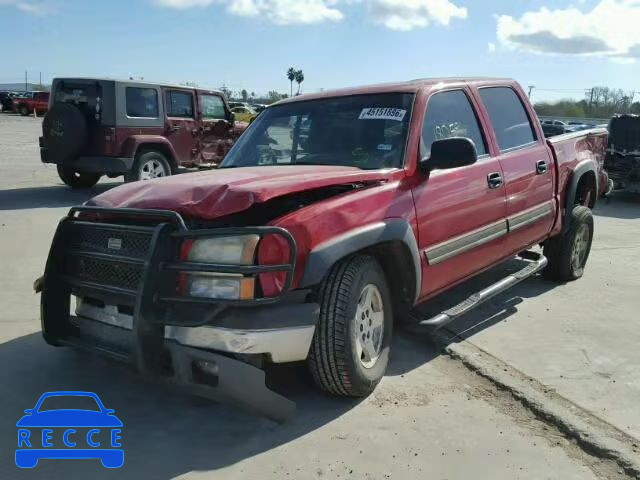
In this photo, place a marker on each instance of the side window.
(450, 114)
(141, 102)
(179, 104)
(508, 116)
(212, 107)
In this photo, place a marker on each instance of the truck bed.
(573, 148)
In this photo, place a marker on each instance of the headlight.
(220, 286)
(238, 250)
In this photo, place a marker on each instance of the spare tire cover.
(65, 129)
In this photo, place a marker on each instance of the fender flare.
(572, 188)
(134, 142)
(321, 259)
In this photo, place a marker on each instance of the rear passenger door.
(182, 127)
(461, 212)
(529, 169)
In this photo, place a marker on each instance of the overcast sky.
(562, 47)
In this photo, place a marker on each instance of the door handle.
(542, 167)
(494, 180)
(175, 128)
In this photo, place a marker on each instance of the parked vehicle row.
(143, 131)
(26, 103)
(552, 128)
(307, 244)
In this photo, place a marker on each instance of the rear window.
(509, 118)
(142, 102)
(179, 104)
(86, 96)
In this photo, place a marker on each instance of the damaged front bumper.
(128, 308)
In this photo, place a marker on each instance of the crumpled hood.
(217, 193)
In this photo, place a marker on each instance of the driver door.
(461, 212)
(215, 138)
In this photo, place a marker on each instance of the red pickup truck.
(37, 102)
(331, 218)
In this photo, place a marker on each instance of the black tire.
(77, 179)
(565, 262)
(333, 360)
(65, 131)
(140, 172)
(23, 110)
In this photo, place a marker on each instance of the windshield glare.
(363, 131)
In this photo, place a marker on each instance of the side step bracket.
(537, 263)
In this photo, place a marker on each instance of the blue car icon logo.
(52, 430)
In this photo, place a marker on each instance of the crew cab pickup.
(37, 102)
(331, 218)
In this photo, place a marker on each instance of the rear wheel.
(148, 166)
(23, 110)
(568, 253)
(76, 179)
(350, 350)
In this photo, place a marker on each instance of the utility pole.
(590, 93)
(531, 87)
(25, 81)
(40, 81)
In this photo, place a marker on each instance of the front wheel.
(148, 166)
(76, 179)
(23, 110)
(350, 350)
(568, 253)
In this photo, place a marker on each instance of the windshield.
(364, 131)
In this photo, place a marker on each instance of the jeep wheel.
(148, 166)
(568, 254)
(77, 179)
(23, 110)
(350, 349)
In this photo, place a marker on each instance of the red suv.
(98, 127)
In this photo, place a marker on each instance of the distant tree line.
(599, 102)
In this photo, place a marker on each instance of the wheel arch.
(137, 145)
(584, 179)
(391, 242)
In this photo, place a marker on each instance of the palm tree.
(299, 77)
(291, 75)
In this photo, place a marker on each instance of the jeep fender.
(324, 256)
(134, 142)
(572, 188)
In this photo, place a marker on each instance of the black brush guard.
(130, 263)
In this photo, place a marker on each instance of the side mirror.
(230, 117)
(109, 411)
(449, 153)
(29, 411)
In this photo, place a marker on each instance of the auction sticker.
(374, 113)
